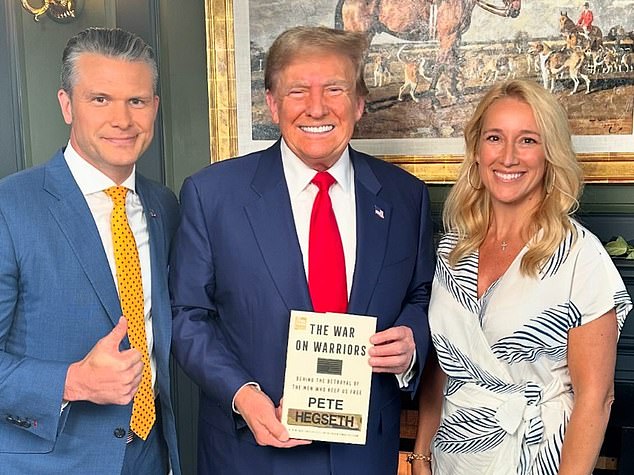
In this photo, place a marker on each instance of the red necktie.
(326, 264)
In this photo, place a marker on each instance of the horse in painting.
(420, 20)
(575, 35)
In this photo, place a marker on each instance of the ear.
(272, 103)
(156, 105)
(360, 107)
(66, 106)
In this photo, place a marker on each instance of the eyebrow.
(98, 93)
(333, 82)
(522, 131)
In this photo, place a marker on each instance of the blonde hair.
(467, 211)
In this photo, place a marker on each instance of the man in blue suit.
(68, 373)
(243, 259)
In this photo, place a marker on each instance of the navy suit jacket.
(57, 299)
(237, 271)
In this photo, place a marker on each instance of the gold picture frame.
(602, 167)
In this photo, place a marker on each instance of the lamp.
(61, 11)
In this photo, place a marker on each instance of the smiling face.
(315, 104)
(111, 112)
(512, 161)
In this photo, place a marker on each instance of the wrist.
(243, 394)
(71, 388)
(414, 457)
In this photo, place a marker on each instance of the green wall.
(41, 44)
(608, 199)
(184, 88)
(597, 198)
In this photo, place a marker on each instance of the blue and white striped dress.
(508, 395)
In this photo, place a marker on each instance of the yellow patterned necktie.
(126, 257)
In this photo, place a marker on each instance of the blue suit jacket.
(57, 299)
(237, 271)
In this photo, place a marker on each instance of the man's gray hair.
(112, 42)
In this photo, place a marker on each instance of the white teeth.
(508, 176)
(317, 130)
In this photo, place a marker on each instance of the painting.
(429, 63)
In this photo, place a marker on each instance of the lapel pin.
(379, 212)
(153, 214)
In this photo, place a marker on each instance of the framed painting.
(426, 77)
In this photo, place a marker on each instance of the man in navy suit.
(68, 374)
(242, 260)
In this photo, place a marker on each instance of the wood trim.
(11, 134)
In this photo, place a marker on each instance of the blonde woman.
(526, 305)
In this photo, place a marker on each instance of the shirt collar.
(299, 175)
(88, 178)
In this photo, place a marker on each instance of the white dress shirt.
(92, 184)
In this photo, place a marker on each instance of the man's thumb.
(118, 333)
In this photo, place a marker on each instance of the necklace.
(503, 245)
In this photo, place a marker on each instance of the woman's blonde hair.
(467, 211)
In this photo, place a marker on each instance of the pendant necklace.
(503, 244)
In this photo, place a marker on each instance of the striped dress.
(508, 395)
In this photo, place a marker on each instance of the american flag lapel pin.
(379, 212)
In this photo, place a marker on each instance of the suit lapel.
(158, 264)
(155, 225)
(373, 221)
(271, 218)
(75, 221)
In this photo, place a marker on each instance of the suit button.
(119, 433)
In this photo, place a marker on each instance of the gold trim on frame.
(606, 167)
(221, 79)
